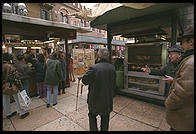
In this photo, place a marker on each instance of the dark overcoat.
(101, 80)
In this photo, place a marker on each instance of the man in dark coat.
(101, 80)
(175, 54)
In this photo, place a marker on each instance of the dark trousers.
(61, 86)
(93, 121)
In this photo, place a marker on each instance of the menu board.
(82, 60)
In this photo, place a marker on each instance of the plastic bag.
(24, 99)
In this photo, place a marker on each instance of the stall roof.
(34, 27)
(94, 40)
(126, 20)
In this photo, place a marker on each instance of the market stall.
(28, 28)
(148, 25)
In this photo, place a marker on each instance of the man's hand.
(168, 79)
(146, 69)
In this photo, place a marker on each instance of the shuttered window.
(45, 14)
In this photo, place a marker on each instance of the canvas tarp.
(100, 8)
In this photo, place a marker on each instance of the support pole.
(67, 64)
(174, 29)
(109, 39)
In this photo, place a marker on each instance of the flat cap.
(176, 48)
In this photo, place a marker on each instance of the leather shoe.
(24, 115)
(11, 115)
(48, 105)
(54, 104)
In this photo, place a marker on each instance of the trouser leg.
(55, 88)
(92, 122)
(20, 110)
(44, 89)
(26, 86)
(63, 85)
(48, 87)
(105, 122)
(39, 89)
(6, 105)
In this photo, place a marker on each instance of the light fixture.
(7, 6)
(25, 11)
(50, 41)
(163, 38)
(21, 5)
(3, 46)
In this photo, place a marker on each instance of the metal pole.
(77, 93)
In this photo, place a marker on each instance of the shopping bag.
(24, 99)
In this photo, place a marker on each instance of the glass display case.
(137, 82)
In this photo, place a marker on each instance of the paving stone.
(120, 102)
(61, 124)
(7, 125)
(122, 123)
(79, 118)
(145, 112)
(37, 117)
(164, 125)
(68, 104)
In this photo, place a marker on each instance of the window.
(45, 14)
(66, 19)
(61, 17)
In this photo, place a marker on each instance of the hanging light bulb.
(7, 6)
(21, 5)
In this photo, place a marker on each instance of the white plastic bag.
(24, 99)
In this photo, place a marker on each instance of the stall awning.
(93, 40)
(100, 8)
(123, 13)
(129, 22)
(35, 27)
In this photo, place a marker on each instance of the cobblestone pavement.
(128, 115)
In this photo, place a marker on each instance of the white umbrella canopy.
(100, 8)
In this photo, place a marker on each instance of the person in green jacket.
(53, 75)
(175, 54)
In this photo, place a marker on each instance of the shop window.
(45, 14)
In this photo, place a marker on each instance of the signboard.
(82, 60)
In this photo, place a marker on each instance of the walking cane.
(79, 78)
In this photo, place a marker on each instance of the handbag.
(24, 99)
(9, 89)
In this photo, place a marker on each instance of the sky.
(88, 5)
